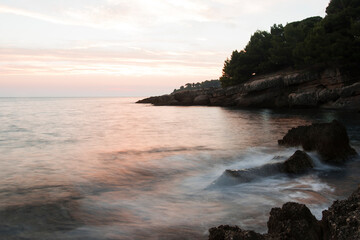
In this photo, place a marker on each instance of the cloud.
(91, 16)
(121, 14)
(26, 13)
(130, 62)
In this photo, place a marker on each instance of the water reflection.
(111, 169)
(39, 220)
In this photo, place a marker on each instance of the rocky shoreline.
(341, 221)
(295, 221)
(287, 89)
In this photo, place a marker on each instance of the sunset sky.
(128, 48)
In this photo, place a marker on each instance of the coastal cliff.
(286, 89)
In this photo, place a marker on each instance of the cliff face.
(325, 89)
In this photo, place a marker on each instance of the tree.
(314, 41)
(335, 40)
(253, 59)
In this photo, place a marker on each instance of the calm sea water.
(106, 168)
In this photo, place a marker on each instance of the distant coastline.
(308, 88)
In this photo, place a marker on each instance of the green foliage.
(332, 41)
(235, 69)
(335, 40)
(199, 85)
(338, 6)
(280, 52)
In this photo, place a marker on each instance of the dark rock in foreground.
(330, 140)
(227, 232)
(299, 162)
(294, 221)
(310, 88)
(342, 220)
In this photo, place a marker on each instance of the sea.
(107, 168)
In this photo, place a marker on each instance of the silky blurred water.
(107, 168)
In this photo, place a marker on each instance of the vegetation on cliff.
(199, 85)
(333, 41)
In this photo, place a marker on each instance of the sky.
(105, 48)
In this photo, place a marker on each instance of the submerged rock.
(294, 221)
(39, 219)
(299, 162)
(330, 140)
(232, 177)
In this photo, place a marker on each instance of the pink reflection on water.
(111, 167)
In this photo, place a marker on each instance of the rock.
(233, 177)
(185, 97)
(299, 162)
(326, 95)
(201, 100)
(342, 220)
(330, 140)
(266, 99)
(297, 78)
(264, 83)
(226, 232)
(346, 103)
(303, 99)
(310, 88)
(158, 101)
(351, 90)
(293, 221)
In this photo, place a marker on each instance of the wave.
(263, 165)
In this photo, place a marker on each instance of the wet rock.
(247, 175)
(299, 162)
(226, 232)
(330, 140)
(293, 221)
(342, 220)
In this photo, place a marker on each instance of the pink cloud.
(130, 62)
